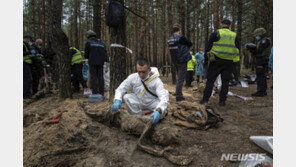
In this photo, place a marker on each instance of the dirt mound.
(88, 135)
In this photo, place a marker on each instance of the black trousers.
(35, 80)
(198, 78)
(223, 67)
(97, 78)
(261, 67)
(77, 76)
(235, 71)
(181, 74)
(27, 80)
(189, 78)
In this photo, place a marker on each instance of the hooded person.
(148, 92)
(261, 53)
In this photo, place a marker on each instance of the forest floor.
(78, 140)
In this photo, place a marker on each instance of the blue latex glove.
(33, 51)
(116, 105)
(156, 117)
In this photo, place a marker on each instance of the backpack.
(114, 14)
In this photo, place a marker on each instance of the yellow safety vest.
(191, 63)
(225, 48)
(76, 58)
(27, 58)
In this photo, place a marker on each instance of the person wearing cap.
(261, 53)
(222, 51)
(179, 50)
(27, 63)
(96, 53)
(76, 68)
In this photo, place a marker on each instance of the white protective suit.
(140, 99)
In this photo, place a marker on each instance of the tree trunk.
(43, 22)
(104, 26)
(221, 10)
(97, 6)
(118, 56)
(239, 27)
(163, 60)
(80, 29)
(170, 27)
(154, 36)
(188, 35)
(136, 27)
(197, 24)
(142, 32)
(182, 15)
(207, 23)
(233, 14)
(76, 33)
(33, 18)
(216, 14)
(60, 47)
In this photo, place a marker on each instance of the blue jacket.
(199, 57)
(179, 49)
(270, 60)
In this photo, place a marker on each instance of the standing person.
(179, 51)
(199, 57)
(190, 70)
(96, 53)
(27, 63)
(261, 53)
(37, 61)
(76, 68)
(223, 49)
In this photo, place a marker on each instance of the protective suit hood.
(153, 73)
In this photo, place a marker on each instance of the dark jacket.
(48, 54)
(179, 49)
(36, 58)
(26, 51)
(214, 37)
(95, 52)
(262, 48)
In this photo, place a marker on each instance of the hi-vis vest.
(76, 58)
(225, 48)
(27, 58)
(191, 63)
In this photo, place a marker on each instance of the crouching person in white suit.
(148, 92)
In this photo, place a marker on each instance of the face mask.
(39, 47)
(190, 53)
(258, 37)
(30, 43)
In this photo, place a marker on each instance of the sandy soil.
(78, 140)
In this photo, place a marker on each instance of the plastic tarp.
(242, 97)
(265, 142)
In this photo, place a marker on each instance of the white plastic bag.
(265, 142)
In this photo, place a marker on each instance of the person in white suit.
(148, 92)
